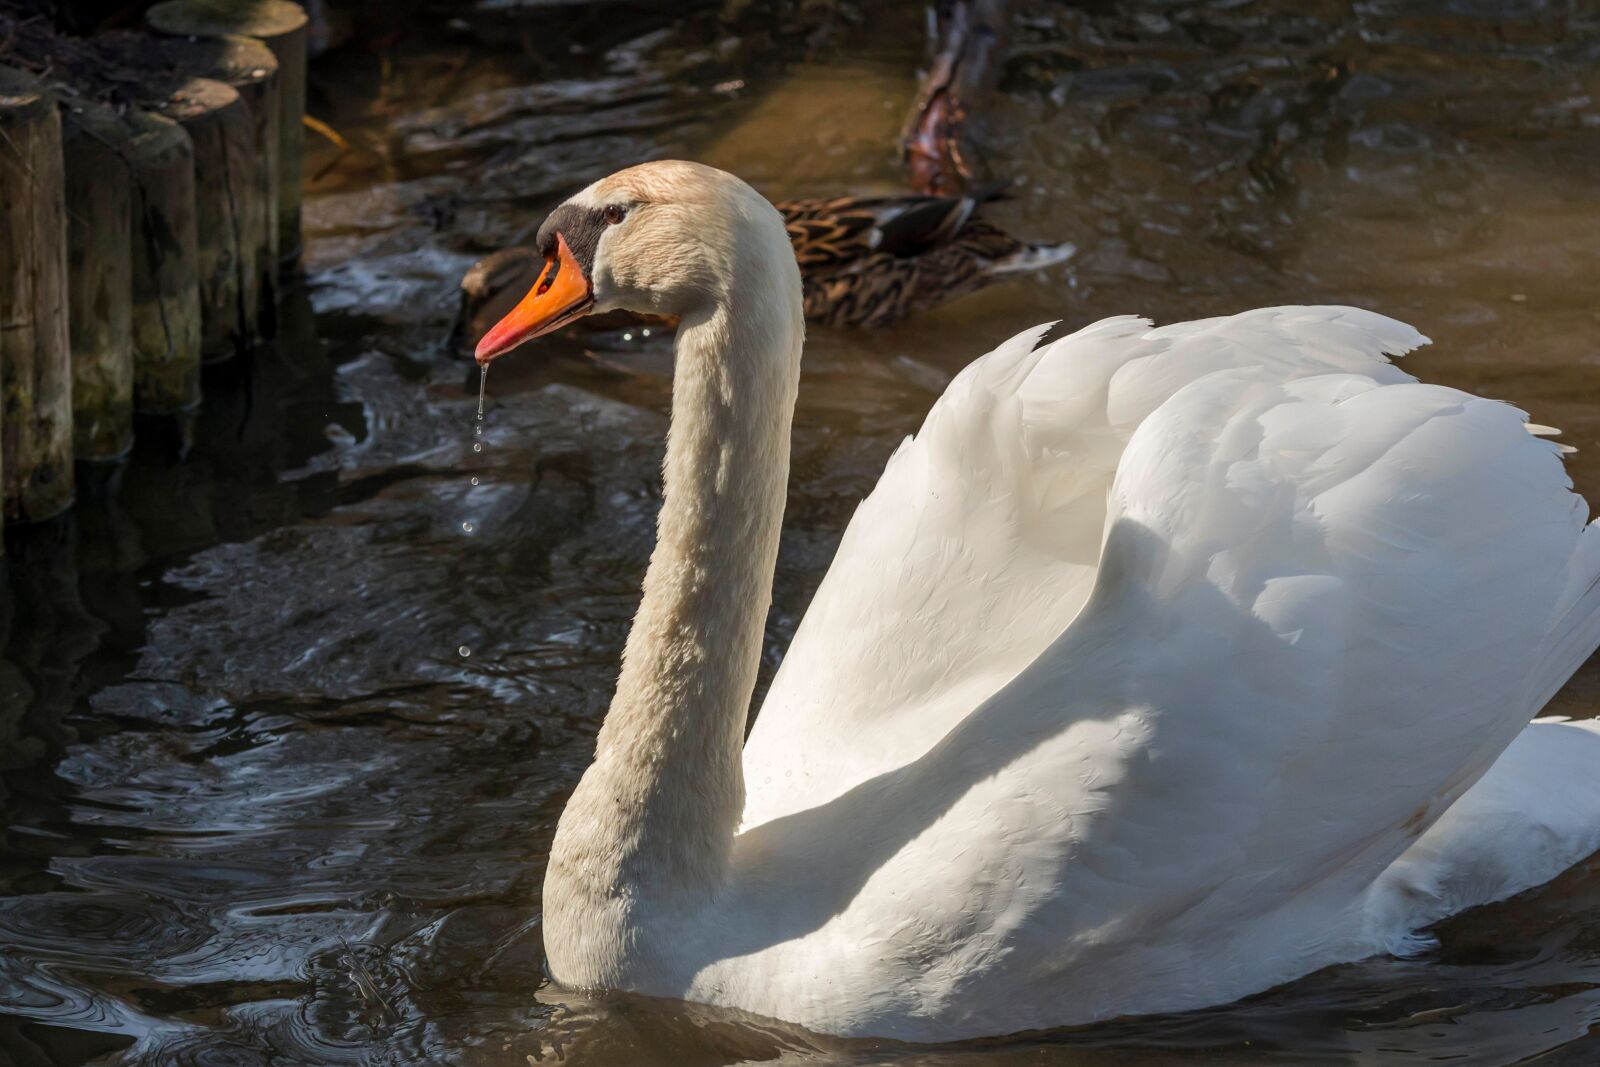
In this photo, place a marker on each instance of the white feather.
(1057, 759)
(1163, 665)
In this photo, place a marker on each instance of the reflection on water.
(289, 707)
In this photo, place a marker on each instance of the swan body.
(1163, 665)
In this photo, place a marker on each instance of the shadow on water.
(291, 701)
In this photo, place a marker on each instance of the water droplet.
(483, 385)
(477, 446)
(477, 431)
(645, 332)
(627, 337)
(474, 481)
(466, 527)
(465, 651)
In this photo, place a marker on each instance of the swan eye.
(615, 213)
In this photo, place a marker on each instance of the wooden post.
(281, 25)
(166, 291)
(251, 68)
(35, 360)
(99, 204)
(220, 127)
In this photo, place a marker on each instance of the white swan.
(1157, 670)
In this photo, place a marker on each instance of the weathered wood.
(281, 25)
(35, 360)
(166, 289)
(251, 68)
(99, 205)
(221, 129)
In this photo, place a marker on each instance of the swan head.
(669, 238)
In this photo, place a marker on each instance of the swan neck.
(658, 810)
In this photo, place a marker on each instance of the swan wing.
(1325, 607)
(981, 540)
(1332, 603)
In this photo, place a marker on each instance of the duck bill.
(561, 295)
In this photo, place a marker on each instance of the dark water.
(256, 804)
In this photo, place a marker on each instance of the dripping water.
(477, 446)
(477, 429)
(483, 386)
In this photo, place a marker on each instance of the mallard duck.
(871, 261)
(865, 261)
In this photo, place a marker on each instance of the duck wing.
(830, 232)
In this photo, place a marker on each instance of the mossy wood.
(252, 70)
(99, 206)
(35, 360)
(221, 129)
(166, 290)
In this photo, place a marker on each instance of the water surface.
(256, 806)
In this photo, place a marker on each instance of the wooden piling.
(99, 207)
(280, 25)
(221, 129)
(230, 121)
(35, 367)
(166, 289)
(252, 70)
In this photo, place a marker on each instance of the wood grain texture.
(35, 367)
(281, 26)
(99, 207)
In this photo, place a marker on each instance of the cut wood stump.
(281, 25)
(99, 206)
(221, 129)
(166, 291)
(148, 72)
(251, 68)
(35, 360)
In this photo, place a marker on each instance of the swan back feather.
(981, 539)
(1321, 613)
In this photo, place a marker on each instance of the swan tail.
(1535, 813)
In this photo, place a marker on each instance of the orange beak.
(559, 296)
